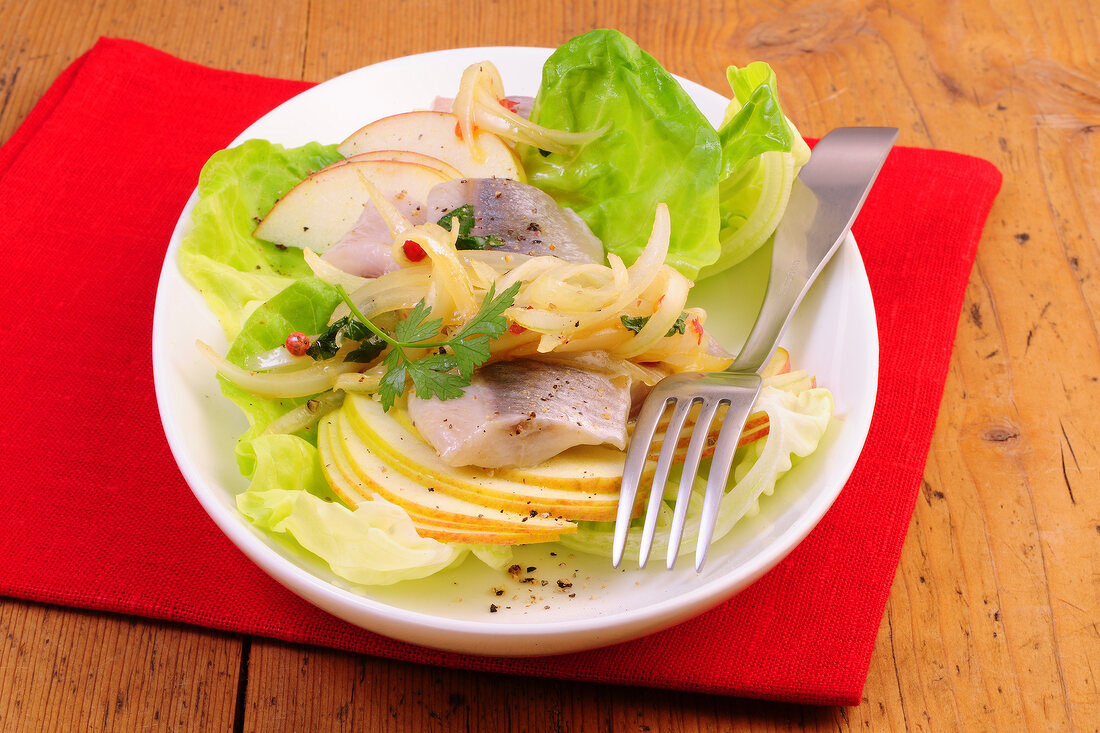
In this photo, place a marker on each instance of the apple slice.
(796, 381)
(342, 470)
(325, 206)
(756, 427)
(419, 500)
(436, 134)
(354, 492)
(780, 363)
(411, 456)
(407, 156)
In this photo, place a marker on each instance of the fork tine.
(687, 478)
(636, 454)
(657, 489)
(722, 460)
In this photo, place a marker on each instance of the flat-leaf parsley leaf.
(435, 375)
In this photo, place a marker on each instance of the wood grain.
(992, 619)
(66, 670)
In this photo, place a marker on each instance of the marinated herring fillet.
(524, 218)
(522, 412)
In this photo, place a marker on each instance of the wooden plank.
(67, 670)
(39, 39)
(293, 688)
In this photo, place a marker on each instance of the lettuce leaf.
(797, 424)
(658, 148)
(754, 123)
(375, 544)
(219, 256)
(305, 305)
(726, 189)
(761, 155)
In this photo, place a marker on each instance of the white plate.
(833, 335)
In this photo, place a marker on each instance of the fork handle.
(826, 196)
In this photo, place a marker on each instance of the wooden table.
(992, 619)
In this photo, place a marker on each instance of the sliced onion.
(674, 288)
(306, 415)
(477, 105)
(500, 261)
(298, 383)
(367, 381)
(274, 359)
(491, 115)
(394, 219)
(448, 274)
(397, 290)
(330, 273)
(563, 326)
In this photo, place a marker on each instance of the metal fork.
(827, 194)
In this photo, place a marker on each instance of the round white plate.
(833, 335)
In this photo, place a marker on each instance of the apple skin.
(327, 204)
(357, 475)
(408, 454)
(436, 134)
(406, 156)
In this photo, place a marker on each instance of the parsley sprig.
(449, 369)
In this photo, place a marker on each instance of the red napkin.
(93, 512)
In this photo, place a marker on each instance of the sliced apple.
(406, 156)
(417, 460)
(796, 381)
(326, 205)
(424, 501)
(436, 134)
(354, 492)
(344, 471)
(780, 363)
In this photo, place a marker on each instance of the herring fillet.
(526, 219)
(523, 412)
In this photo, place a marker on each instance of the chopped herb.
(466, 221)
(328, 343)
(449, 369)
(637, 323)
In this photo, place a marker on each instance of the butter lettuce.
(233, 270)
(762, 153)
(375, 544)
(305, 305)
(658, 148)
(726, 189)
(260, 292)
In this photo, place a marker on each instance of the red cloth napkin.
(93, 512)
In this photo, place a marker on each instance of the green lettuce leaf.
(726, 190)
(305, 305)
(219, 256)
(375, 544)
(761, 155)
(658, 148)
(754, 123)
(797, 423)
